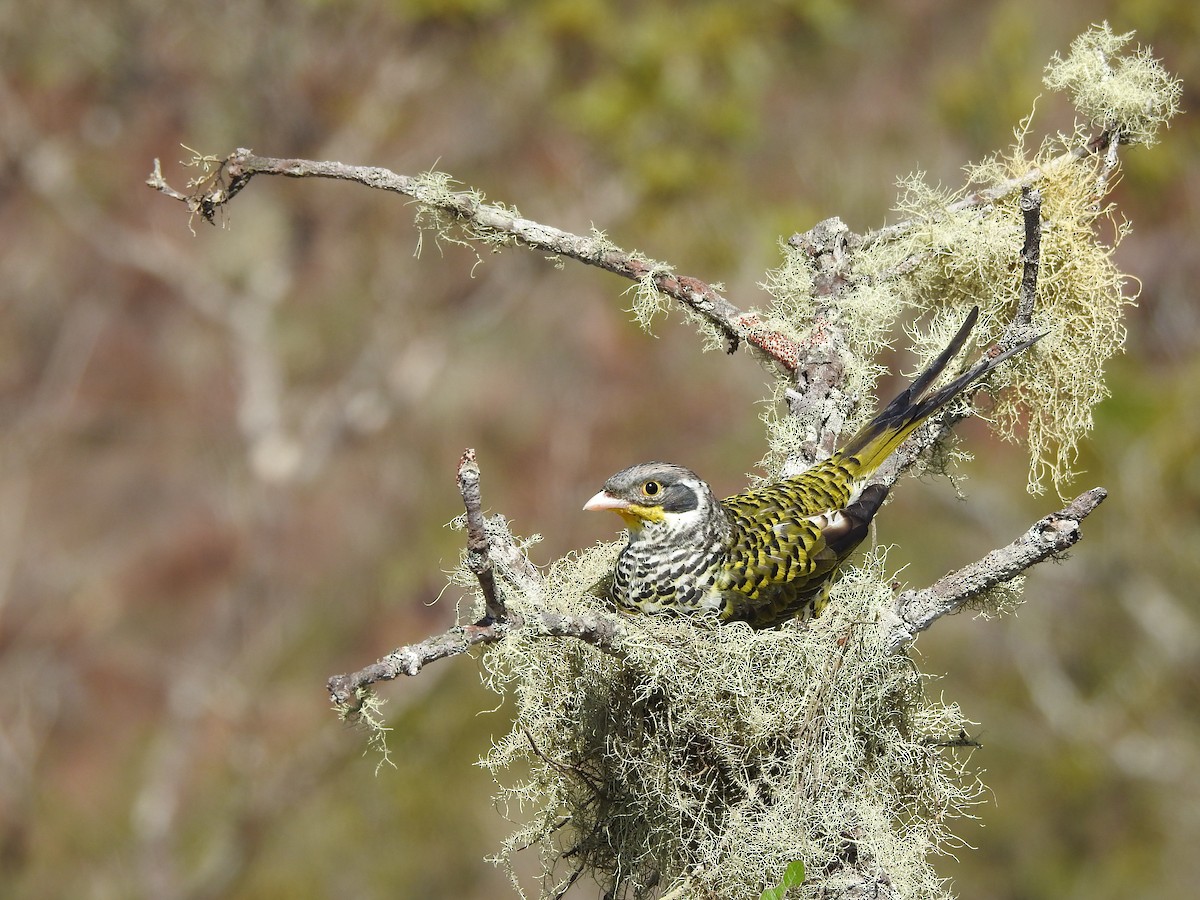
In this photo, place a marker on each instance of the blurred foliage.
(227, 458)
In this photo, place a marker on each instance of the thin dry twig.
(1111, 161)
(478, 544)
(1031, 252)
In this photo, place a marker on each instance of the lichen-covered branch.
(815, 354)
(490, 223)
(345, 690)
(1049, 537)
(819, 374)
(602, 633)
(1098, 143)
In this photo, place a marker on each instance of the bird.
(770, 554)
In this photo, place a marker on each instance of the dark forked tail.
(876, 440)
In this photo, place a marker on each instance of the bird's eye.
(651, 488)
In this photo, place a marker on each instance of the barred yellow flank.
(782, 561)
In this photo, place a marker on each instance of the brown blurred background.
(228, 458)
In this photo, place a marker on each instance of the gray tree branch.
(1047, 538)
(227, 177)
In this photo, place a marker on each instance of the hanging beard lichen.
(713, 755)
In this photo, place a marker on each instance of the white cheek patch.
(685, 521)
(669, 523)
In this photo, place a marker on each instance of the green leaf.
(793, 876)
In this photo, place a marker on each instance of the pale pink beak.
(605, 500)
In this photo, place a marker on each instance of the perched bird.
(766, 555)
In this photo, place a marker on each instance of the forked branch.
(486, 551)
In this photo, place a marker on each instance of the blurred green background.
(228, 458)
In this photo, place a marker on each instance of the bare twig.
(159, 183)
(1111, 161)
(478, 545)
(916, 610)
(1031, 252)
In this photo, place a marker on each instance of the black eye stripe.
(680, 498)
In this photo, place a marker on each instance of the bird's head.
(656, 493)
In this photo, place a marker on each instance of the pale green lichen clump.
(648, 301)
(971, 256)
(865, 312)
(436, 193)
(715, 755)
(1133, 95)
